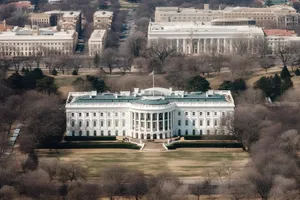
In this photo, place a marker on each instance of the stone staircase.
(154, 146)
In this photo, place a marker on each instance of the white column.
(164, 121)
(218, 44)
(211, 43)
(198, 47)
(204, 45)
(225, 51)
(177, 43)
(157, 122)
(145, 122)
(139, 129)
(184, 46)
(151, 122)
(230, 45)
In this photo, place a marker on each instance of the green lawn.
(183, 162)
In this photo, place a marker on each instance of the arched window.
(95, 133)
(200, 132)
(194, 131)
(102, 133)
(73, 123)
(73, 133)
(80, 124)
(87, 133)
(179, 132)
(123, 132)
(116, 132)
(80, 133)
(108, 133)
(207, 132)
(186, 132)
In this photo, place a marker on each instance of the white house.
(154, 113)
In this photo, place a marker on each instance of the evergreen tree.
(75, 73)
(285, 73)
(226, 85)
(197, 83)
(297, 72)
(54, 72)
(97, 60)
(47, 85)
(266, 85)
(276, 83)
(239, 85)
(286, 84)
(15, 81)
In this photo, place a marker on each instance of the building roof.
(279, 32)
(199, 27)
(64, 13)
(103, 13)
(98, 34)
(151, 96)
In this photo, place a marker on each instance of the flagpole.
(153, 83)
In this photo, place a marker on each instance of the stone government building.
(153, 113)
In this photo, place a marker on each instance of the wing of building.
(96, 42)
(150, 113)
(200, 37)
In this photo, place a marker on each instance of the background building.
(154, 113)
(97, 42)
(199, 38)
(281, 16)
(40, 19)
(102, 19)
(27, 42)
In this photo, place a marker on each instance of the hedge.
(210, 137)
(89, 138)
(89, 145)
(204, 145)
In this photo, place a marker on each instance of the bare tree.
(160, 51)
(137, 184)
(135, 44)
(287, 52)
(266, 63)
(49, 165)
(241, 46)
(83, 191)
(110, 58)
(71, 172)
(142, 24)
(8, 193)
(141, 64)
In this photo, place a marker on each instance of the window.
(116, 114)
(101, 123)
(108, 114)
(194, 122)
(194, 131)
(200, 113)
(179, 122)
(208, 113)
(179, 132)
(95, 133)
(108, 123)
(123, 132)
(186, 122)
(94, 114)
(102, 133)
(186, 113)
(72, 114)
(116, 123)
(194, 113)
(208, 123)
(223, 113)
(87, 133)
(123, 114)
(200, 132)
(201, 122)
(79, 114)
(87, 123)
(123, 123)
(73, 124)
(216, 113)
(108, 133)
(186, 132)
(73, 133)
(80, 124)
(116, 132)
(179, 113)
(80, 133)
(216, 122)
(101, 114)
(95, 123)
(208, 132)
(87, 114)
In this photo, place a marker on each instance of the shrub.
(54, 72)
(297, 72)
(89, 138)
(205, 145)
(75, 73)
(210, 137)
(89, 145)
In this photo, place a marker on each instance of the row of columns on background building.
(145, 136)
(206, 47)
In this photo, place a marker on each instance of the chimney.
(206, 6)
(4, 23)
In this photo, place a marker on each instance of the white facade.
(97, 42)
(273, 16)
(102, 19)
(153, 113)
(28, 42)
(199, 38)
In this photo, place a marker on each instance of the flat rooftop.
(98, 34)
(103, 13)
(146, 97)
(279, 32)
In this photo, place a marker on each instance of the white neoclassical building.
(97, 42)
(153, 113)
(199, 37)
